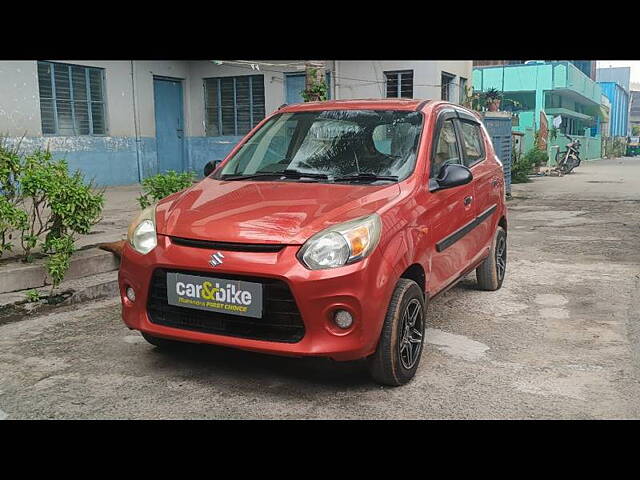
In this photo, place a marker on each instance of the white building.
(121, 121)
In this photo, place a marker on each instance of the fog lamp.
(343, 319)
(131, 294)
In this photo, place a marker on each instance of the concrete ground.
(561, 339)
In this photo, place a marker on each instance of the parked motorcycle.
(569, 159)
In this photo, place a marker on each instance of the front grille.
(228, 246)
(280, 322)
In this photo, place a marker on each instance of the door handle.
(468, 200)
(494, 182)
(180, 132)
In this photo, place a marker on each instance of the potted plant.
(492, 98)
(511, 106)
(473, 101)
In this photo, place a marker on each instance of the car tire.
(400, 346)
(490, 274)
(160, 342)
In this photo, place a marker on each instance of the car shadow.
(467, 283)
(219, 364)
(213, 363)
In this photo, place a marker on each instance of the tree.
(315, 83)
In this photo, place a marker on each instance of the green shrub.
(162, 185)
(520, 170)
(10, 167)
(317, 90)
(537, 157)
(59, 251)
(60, 204)
(522, 165)
(33, 295)
(12, 219)
(615, 147)
(46, 205)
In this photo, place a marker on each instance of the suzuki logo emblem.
(216, 259)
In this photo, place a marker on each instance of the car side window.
(471, 143)
(446, 148)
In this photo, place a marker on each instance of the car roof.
(408, 104)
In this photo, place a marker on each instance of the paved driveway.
(560, 340)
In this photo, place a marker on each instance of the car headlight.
(142, 231)
(341, 244)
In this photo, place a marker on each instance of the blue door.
(295, 86)
(169, 124)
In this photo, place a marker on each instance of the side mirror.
(211, 166)
(451, 175)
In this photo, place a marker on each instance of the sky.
(634, 64)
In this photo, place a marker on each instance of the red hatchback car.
(324, 232)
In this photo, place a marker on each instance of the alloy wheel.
(501, 257)
(410, 343)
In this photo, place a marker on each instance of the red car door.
(450, 211)
(487, 179)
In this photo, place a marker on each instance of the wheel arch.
(398, 261)
(503, 223)
(416, 273)
(408, 263)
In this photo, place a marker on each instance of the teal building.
(552, 88)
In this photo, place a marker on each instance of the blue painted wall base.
(200, 150)
(116, 160)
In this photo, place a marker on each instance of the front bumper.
(363, 289)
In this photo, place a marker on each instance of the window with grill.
(447, 85)
(233, 105)
(71, 99)
(399, 84)
(463, 90)
(635, 103)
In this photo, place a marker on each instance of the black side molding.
(458, 234)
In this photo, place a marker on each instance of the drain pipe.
(336, 79)
(135, 119)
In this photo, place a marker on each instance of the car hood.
(265, 212)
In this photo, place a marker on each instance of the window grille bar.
(251, 101)
(54, 100)
(220, 132)
(89, 102)
(235, 108)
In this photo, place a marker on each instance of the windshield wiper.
(250, 175)
(283, 173)
(371, 177)
(289, 173)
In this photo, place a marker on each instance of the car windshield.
(330, 146)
